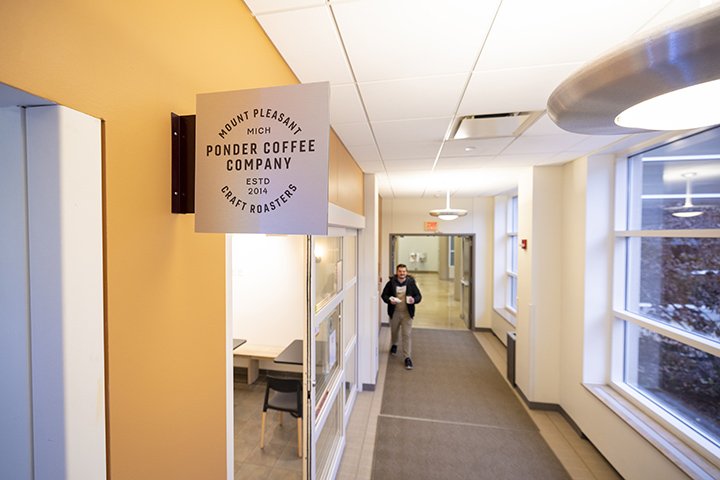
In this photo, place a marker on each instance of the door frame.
(393, 238)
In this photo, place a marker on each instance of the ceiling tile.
(474, 147)
(463, 162)
(364, 153)
(412, 60)
(529, 32)
(264, 6)
(594, 142)
(401, 151)
(414, 164)
(673, 10)
(354, 133)
(542, 144)
(527, 160)
(560, 158)
(413, 97)
(413, 130)
(515, 90)
(318, 35)
(543, 126)
(410, 182)
(345, 105)
(474, 181)
(412, 38)
(372, 167)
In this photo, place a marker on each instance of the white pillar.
(64, 175)
(368, 294)
(15, 404)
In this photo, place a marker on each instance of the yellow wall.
(131, 63)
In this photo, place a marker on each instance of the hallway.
(438, 311)
(579, 458)
(439, 308)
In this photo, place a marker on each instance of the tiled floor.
(278, 460)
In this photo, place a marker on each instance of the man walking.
(401, 293)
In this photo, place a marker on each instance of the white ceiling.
(403, 72)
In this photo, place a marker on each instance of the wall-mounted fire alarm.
(523, 243)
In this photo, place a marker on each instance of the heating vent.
(494, 125)
(511, 339)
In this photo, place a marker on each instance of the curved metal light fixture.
(671, 58)
(448, 213)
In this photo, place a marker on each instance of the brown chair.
(285, 395)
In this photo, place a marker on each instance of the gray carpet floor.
(454, 417)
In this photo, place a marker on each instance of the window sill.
(507, 315)
(677, 451)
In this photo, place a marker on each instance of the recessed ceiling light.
(470, 148)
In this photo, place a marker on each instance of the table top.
(237, 342)
(293, 354)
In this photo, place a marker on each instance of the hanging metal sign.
(261, 160)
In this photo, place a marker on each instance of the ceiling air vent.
(493, 125)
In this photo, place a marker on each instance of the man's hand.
(410, 300)
(394, 300)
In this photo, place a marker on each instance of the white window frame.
(625, 278)
(511, 280)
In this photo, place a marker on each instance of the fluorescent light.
(690, 107)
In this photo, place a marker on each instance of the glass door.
(324, 356)
(466, 279)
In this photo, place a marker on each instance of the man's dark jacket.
(412, 290)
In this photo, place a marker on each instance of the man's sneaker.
(393, 350)
(408, 364)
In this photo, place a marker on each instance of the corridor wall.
(131, 64)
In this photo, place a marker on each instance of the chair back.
(285, 387)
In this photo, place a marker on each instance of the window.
(512, 255)
(666, 351)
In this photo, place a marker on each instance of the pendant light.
(667, 79)
(687, 210)
(448, 213)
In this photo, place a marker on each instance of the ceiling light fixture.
(448, 213)
(602, 98)
(687, 210)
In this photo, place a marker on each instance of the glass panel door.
(466, 281)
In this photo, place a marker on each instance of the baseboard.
(553, 407)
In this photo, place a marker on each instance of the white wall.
(428, 246)
(268, 288)
(64, 173)
(407, 215)
(15, 406)
(584, 347)
(546, 251)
